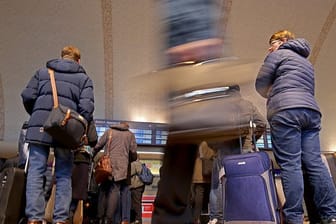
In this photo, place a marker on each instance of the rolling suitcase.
(249, 194)
(12, 195)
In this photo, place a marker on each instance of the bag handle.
(53, 87)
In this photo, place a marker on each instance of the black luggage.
(12, 195)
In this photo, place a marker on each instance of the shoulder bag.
(103, 168)
(65, 125)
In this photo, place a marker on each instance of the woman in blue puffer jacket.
(286, 79)
(75, 90)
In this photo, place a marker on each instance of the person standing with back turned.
(121, 144)
(286, 79)
(137, 189)
(75, 90)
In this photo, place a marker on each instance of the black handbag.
(65, 125)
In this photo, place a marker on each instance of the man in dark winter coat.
(75, 90)
(286, 79)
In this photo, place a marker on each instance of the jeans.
(125, 196)
(224, 148)
(296, 145)
(38, 156)
(216, 195)
(108, 200)
(114, 199)
(136, 204)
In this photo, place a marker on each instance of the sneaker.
(213, 221)
(329, 221)
(332, 221)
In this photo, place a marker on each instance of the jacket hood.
(65, 66)
(300, 46)
(120, 127)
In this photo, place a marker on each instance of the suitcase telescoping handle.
(254, 140)
(27, 160)
(252, 127)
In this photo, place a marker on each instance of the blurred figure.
(137, 189)
(286, 79)
(219, 116)
(122, 148)
(192, 30)
(201, 183)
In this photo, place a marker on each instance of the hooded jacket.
(121, 144)
(136, 169)
(74, 89)
(286, 78)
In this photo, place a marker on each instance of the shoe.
(329, 221)
(332, 221)
(213, 221)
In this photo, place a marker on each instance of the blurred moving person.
(201, 180)
(192, 30)
(219, 116)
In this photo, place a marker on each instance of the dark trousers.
(109, 201)
(136, 205)
(200, 199)
(171, 205)
(125, 202)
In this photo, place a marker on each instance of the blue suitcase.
(249, 194)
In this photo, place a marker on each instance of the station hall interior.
(123, 43)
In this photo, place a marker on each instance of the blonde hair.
(283, 35)
(71, 52)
